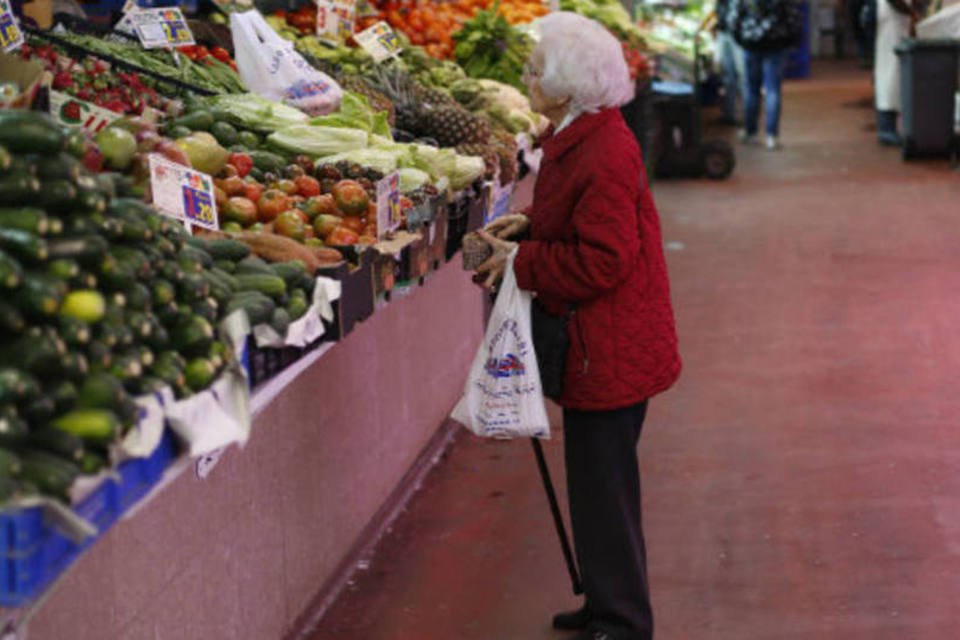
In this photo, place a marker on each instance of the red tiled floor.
(802, 479)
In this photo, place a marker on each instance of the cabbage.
(383, 160)
(250, 111)
(412, 179)
(317, 141)
(434, 161)
(464, 170)
(356, 113)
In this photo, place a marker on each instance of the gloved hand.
(492, 269)
(509, 226)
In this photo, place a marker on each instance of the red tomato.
(233, 186)
(307, 186)
(272, 203)
(289, 187)
(242, 162)
(252, 190)
(342, 236)
(353, 223)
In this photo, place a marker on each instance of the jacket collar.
(555, 145)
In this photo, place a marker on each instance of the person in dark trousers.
(765, 29)
(593, 248)
(730, 58)
(896, 19)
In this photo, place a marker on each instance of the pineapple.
(491, 158)
(506, 146)
(377, 100)
(451, 126)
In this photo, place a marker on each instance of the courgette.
(64, 394)
(99, 356)
(23, 245)
(40, 296)
(92, 462)
(19, 190)
(227, 266)
(144, 354)
(291, 271)
(191, 254)
(39, 410)
(267, 162)
(138, 297)
(75, 143)
(139, 324)
(23, 131)
(297, 305)
(11, 320)
(192, 289)
(13, 428)
(38, 352)
(257, 306)
(199, 373)
(74, 331)
(51, 474)
(63, 268)
(74, 366)
(191, 335)
(58, 196)
(207, 308)
(61, 166)
(17, 386)
(11, 273)
(86, 249)
(227, 249)
(28, 219)
(280, 320)
(148, 384)
(253, 265)
(10, 464)
(169, 367)
(126, 367)
(101, 391)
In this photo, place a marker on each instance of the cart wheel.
(718, 159)
(906, 149)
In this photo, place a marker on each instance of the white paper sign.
(388, 204)
(336, 18)
(379, 41)
(74, 112)
(183, 193)
(161, 28)
(11, 37)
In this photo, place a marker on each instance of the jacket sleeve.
(606, 240)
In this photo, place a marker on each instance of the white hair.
(582, 61)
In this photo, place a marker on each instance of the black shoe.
(593, 634)
(573, 620)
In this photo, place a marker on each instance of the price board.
(379, 41)
(74, 112)
(182, 193)
(160, 28)
(336, 18)
(388, 204)
(11, 37)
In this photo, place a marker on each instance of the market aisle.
(802, 479)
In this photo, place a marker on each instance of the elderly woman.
(592, 248)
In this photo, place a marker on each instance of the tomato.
(242, 162)
(342, 236)
(228, 171)
(272, 203)
(252, 190)
(220, 196)
(220, 54)
(240, 210)
(232, 186)
(289, 187)
(290, 225)
(352, 222)
(351, 198)
(324, 224)
(307, 186)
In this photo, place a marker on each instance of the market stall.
(234, 320)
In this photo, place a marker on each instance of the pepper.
(242, 162)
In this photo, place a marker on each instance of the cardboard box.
(27, 75)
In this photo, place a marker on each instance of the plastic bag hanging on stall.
(272, 68)
(503, 397)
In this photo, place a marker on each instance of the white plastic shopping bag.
(503, 397)
(272, 68)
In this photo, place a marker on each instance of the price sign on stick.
(336, 18)
(182, 193)
(160, 28)
(79, 113)
(388, 204)
(379, 41)
(11, 37)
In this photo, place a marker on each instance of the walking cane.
(557, 517)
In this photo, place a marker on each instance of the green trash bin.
(928, 82)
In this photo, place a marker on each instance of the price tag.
(388, 204)
(159, 28)
(336, 18)
(11, 37)
(74, 112)
(498, 203)
(182, 193)
(379, 41)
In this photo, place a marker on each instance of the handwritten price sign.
(160, 28)
(79, 113)
(336, 18)
(379, 41)
(11, 37)
(388, 204)
(182, 193)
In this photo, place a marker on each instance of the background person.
(594, 249)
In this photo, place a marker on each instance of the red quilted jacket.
(595, 244)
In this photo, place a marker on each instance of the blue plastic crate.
(138, 476)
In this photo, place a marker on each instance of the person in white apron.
(895, 20)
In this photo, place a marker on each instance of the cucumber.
(11, 273)
(171, 271)
(61, 166)
(23, 245)
(291, 271)
(226, 277)
(64, 394)
(259, 308)
(87, 249)
(280, 320)
(11, 320)
(163, 292)
(268, 285)
(138, 297)
(17, 385)
(39, 296)
(195, 121)
(267, 162)
(90, 201)
(219, 290)
(196, 255)
(253, 265)
(51, 474)
(219, 354)
(101, 391)
(27, 219)
(30, 132)
(297, 305)
(116, 275)
(207, 308)
(192, 289)
(63, 269)
(227, 249)
(75, 332)
(199, 373)
(86, 305)
(10, 464)
(227, 266)
(192, 335)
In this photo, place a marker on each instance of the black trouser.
(603, 485)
